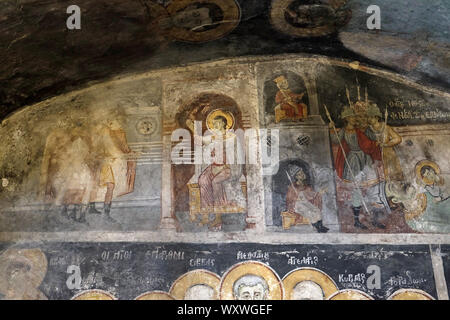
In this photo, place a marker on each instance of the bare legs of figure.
(108, 200)
(93, 194)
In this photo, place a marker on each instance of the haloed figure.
(307, 290)
(219, 182)
(433, 182)
(199, 292)
(436, 216)
(212, 192)
(250, 287)
(193, 18)
(427, 207)
(21, 273)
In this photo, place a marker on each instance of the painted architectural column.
(167, 218)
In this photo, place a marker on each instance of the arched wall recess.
(359, 159)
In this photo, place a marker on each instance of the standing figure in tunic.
(116, 165)
(359, 162)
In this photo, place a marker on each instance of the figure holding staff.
(356, 164)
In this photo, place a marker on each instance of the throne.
(292, 219)
(280, 114)
(195, 208)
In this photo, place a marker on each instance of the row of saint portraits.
(206, 20)
(23, 271)
(369, 182)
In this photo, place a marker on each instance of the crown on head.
(280, 79)
(347, 112)
(373, 110)
(359, 106)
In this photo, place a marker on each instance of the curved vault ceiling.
(41, 58)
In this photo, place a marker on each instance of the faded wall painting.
(193, 21)
(215, 192)
(310, 18)
(85, 166)
(23, 271)
(187, 271)
(97, 159)
(299, 192)
(202, 20)
(213, 184)
(295, 201)
(384, 183)
(298, 145)
(235, 150)
(284, 97)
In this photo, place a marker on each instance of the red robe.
(367, 145)
(282, 99)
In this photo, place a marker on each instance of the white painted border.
(219, 237)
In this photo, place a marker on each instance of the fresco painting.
(311, 18)
(238, 150)
(243, 271)
(95, 159)
(349, 159)
(153, 159)
(217, 189)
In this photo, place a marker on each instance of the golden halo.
(219, 112)
(231, 18)
(192, 278)
(309, 274)
(276, 290)
(350, 294)
(34, 258)
(94, 294)
(410, 294)
(422, 164)
(278, 20)
(155, 295)
(423, 202)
